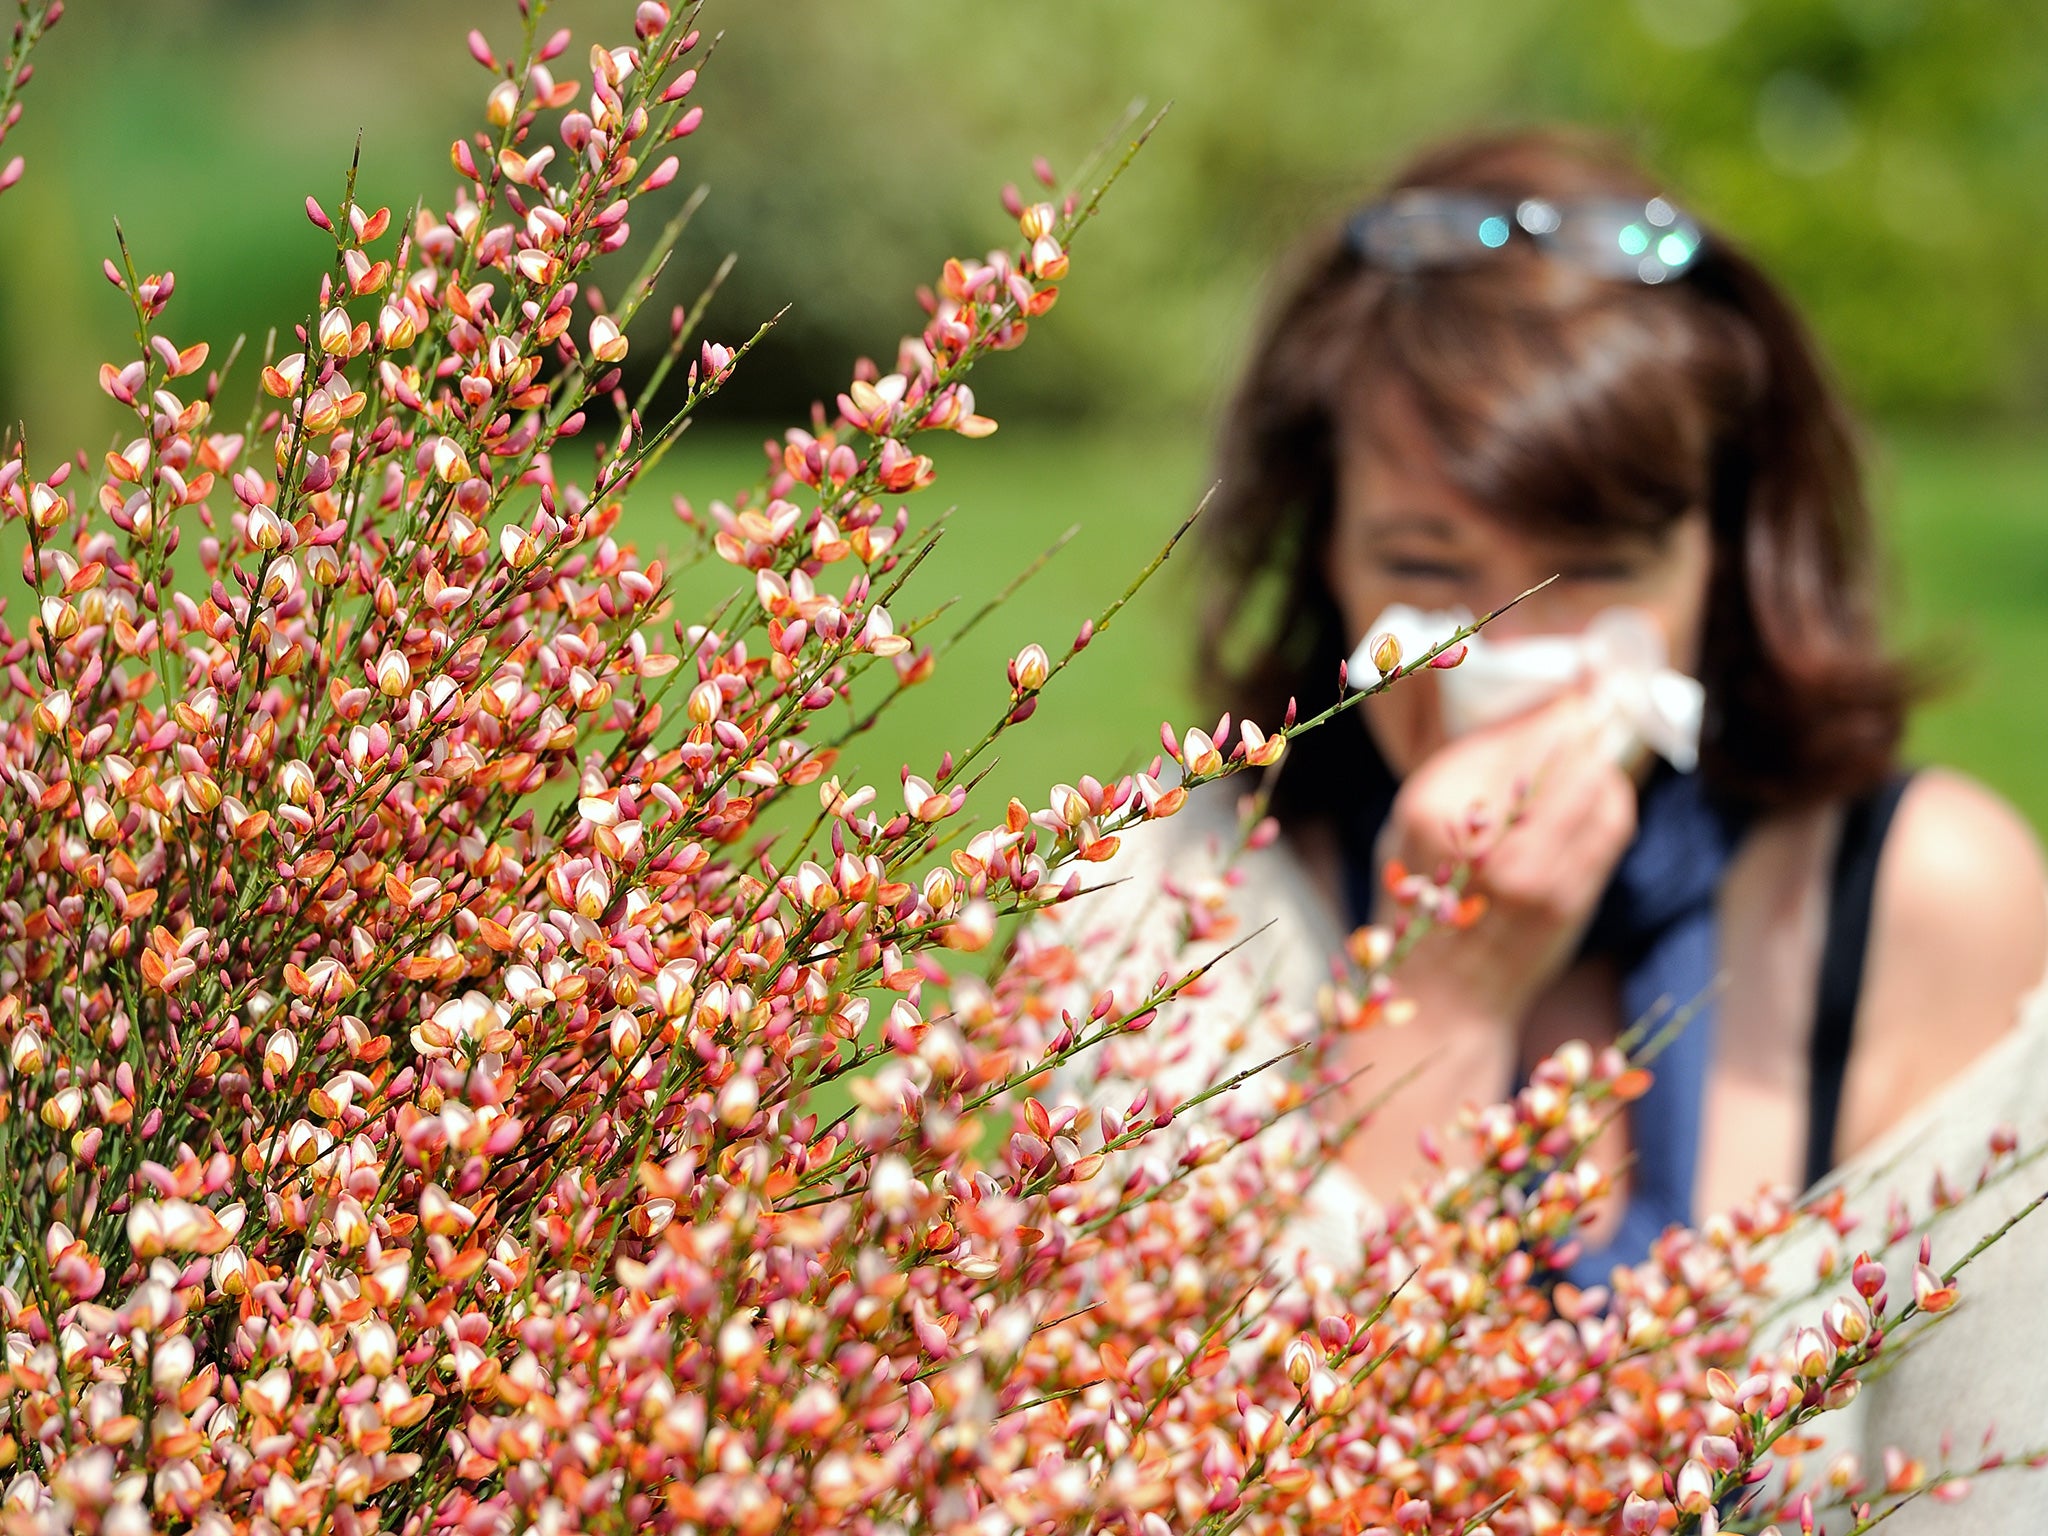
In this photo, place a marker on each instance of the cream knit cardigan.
(1984, 1367)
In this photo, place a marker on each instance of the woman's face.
(1405, 534)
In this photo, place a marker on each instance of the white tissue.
(1621, 655)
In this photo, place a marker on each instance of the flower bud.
(1031, 668)
(607, 344)
(1048, 261)
(1640, 1516)
(593, 894)
(53, 712)
(334, 333)
(1846, 1323)
(1300, 1361)
(625, 1035)
(295, 779)
(1810, 1354)
(25, 1052)
(738, 1100)
(265, 529)
(60, 618)
(231, 1271)
(706, 700)
(170, 1362)
(1386, 653)
(280, 579)
(376, 1347)
(282, 1053)
(1719, 1453)
(394, 674)
(502, 104)
(395, 328)
(100, 820)
(1695, 1489)
(451, 465)
(146, 1234)
(62, 1109)
(1201, 754)
(1929, 1292)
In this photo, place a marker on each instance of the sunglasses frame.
(1421, 229)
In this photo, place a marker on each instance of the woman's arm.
(1959, 934)
(1558, 816)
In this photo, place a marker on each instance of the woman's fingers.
(1558, 856)
(1501, 782)
(1544, 814)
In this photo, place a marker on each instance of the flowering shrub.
(472, 1064)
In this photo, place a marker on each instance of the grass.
(1966, 523)
(1968, 526)
(1011, 499)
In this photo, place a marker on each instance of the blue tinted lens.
(1634, 239)
(1493, 231)
(1674, 250)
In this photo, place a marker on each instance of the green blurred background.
(1883, 156)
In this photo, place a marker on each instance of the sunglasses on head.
(1415, 231)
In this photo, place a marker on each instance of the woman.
(1523, 363)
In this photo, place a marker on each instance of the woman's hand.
(1555, 814)
(1545, 814)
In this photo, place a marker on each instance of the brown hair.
(1563, 400)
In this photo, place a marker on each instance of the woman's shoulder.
(1962, 896)
(1955, 938)
(1955, 838)
(1958, 940)
(1959, 877)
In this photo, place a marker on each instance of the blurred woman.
(1524, 361)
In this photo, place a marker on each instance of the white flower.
(466, 1018)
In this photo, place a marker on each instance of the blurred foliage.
(1882, 155)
